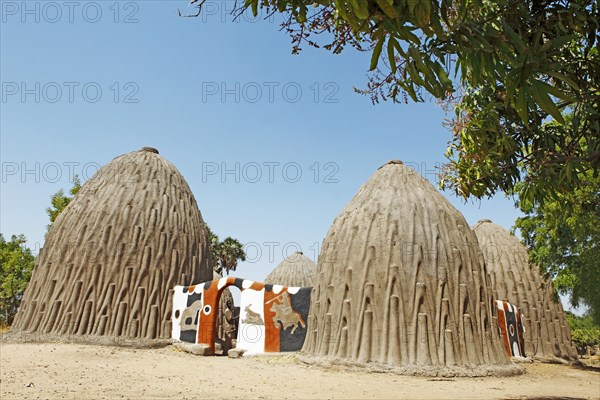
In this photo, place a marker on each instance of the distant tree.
(225, 254)
(231, 252)
(563, 236)
(16, 264)
(584, 332)
(59, 201)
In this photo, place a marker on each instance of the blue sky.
(87, 81)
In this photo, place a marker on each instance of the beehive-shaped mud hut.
(296, 270)
(113, 255)
(401, 283)
(547, 335)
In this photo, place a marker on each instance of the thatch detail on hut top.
(547, 333)
(296, 270)
(131, 234)
(401, 282)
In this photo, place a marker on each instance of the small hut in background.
(296, 270)
(114, 254)
(547, 334)
(401, 282)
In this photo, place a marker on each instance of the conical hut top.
(296, 270)
(547, 334)
(131, 234)
(401, 282)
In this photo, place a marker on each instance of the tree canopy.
(505, 67)
(585, 333)
(225, 254)
(59, 201)
(16, 264)
(17, 261)
(522, 80)
(563, 236)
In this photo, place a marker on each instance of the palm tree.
(225, 254)
(231, 252)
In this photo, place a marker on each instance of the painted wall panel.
(272, 318)
(511, 328)
(187, 303)
(251, 332)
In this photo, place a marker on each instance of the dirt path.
(31, 371)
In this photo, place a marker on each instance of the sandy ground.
(33, 371)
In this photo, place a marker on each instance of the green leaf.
(405, 33)
(436, 24)
(414, 74)
(398, 47)
(443, 76)
(444, 10)
(302, 14)
(387, 8)
(361, 8)
(513, 37)
(542, 98)
(569, 169)
(391, 54)
(556, 92)
(557, 42)
(416, 55)
(521, 105)
(411, 92)
(413, 95)
(422, 11)
(439, 90)
(564, 78)
(411, 6)
(340, 6)
(376, 53)
(476, 68)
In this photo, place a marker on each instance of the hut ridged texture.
(401, 282)
(296, 270)
(109, 262)
(547, 333)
